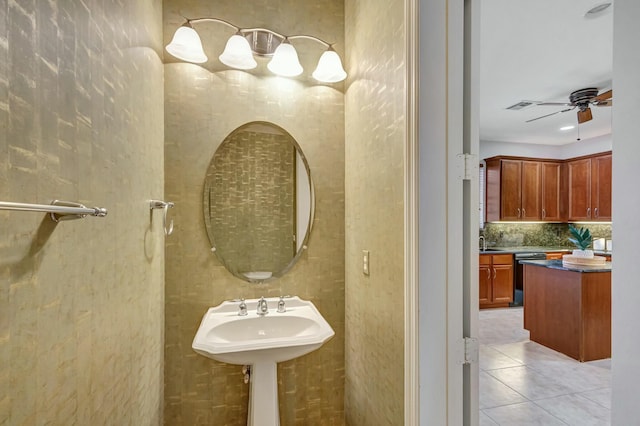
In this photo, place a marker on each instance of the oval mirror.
(258, 202)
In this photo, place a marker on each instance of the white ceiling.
(542, 50)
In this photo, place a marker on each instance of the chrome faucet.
(262, 309)
(242, 308)
(484, 243)
(281, 307)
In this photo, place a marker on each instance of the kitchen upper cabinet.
(551, 188)
(495, 280)
(531, 189)
(530, 197)
(513, 189)
(590, 188)
(601, 188)
(579, 172)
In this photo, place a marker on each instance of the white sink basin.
(225, 336)
(261, 341)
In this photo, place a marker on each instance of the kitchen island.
(568, 308)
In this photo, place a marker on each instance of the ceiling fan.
(581, 99)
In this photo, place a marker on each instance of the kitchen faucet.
(263, 309)
(484, 243)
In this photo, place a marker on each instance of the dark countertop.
(536, 249)
(557, 264)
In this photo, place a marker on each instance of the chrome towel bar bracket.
(58, 210)
(164, 205)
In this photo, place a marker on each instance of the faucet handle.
(242, 308)
(281, 308)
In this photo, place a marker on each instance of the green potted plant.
(582, 239)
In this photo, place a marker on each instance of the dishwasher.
(518, 288)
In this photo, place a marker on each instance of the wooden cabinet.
(555, 256)
(513, 189)
(569, 311)
(550, 191)
(590, 188)
(530, 189)
(601, 188)
(495, 280)
(579, 172)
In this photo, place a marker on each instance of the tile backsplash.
(537, 234)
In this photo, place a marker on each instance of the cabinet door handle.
(518, 213)
(595, 212)
(544, 214)
(494, 273)
(523, 213)
(588, 211)
(488, 274)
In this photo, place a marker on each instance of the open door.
(444, 111)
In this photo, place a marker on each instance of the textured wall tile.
(374, 182)
(203, 105)
(537, 234)
(81, 302)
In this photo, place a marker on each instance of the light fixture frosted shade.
(329, 69)
(186, 45)
(285, 61)
(237, 53)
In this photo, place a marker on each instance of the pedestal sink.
(261, 341)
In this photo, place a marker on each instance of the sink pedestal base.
(263, 395)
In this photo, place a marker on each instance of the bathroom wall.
(203, 105)
(375, 139)
(81, 302)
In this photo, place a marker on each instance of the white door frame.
(441, 254)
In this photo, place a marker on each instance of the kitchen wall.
(569, 150)
(81, 302)
(375, 137)
(204, 104)
(537, 234)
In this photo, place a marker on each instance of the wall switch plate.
(365, 262)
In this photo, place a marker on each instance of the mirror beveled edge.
(228, 263)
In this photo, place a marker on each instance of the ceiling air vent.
(520, 105)
(597, 10)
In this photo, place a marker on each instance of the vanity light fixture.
(247, 42)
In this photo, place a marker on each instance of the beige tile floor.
(524, 383)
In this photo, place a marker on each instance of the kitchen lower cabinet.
(569, 311)
(495, 280)
(555, 256)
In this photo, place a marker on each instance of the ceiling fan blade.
(553, 104)
(584, 115)
(608, 102)
(548, 115)
(604, 96)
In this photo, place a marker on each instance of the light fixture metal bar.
(319, 40)
(222, 21)
(245, 31)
